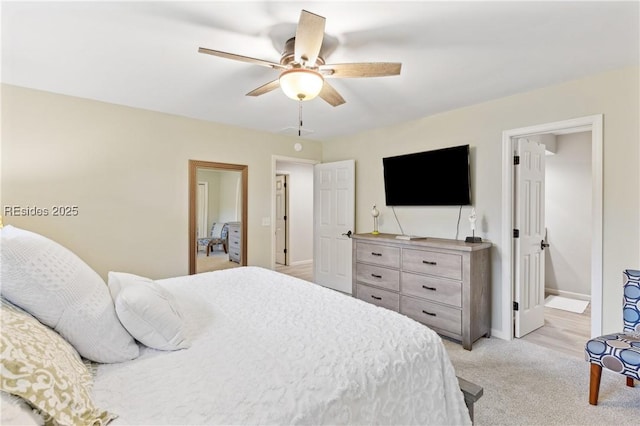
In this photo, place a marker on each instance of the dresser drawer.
(432, 314)
(234, 232)
(378, 276)
(234, 242)
(432, 288)
(433, 263)
(380, 255)
(383, 298)
(234, 256)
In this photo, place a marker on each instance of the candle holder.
(375, 213)
(472, 225)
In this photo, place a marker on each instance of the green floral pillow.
(42, 368)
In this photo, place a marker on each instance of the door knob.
(543, 245)
(347, 234)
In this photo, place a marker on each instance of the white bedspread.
(272, 349)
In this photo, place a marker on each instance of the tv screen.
(431, 178)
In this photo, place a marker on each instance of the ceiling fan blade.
(309, 35)
(363, 69)
(265, 88)
(331, 95)
(241, 58)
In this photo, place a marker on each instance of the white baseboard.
(569, 294)
(499, 334)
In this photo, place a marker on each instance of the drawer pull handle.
(376, 276)
(376, 297)
(376, 254)
(429, 288)
(428, 313)
(427, 262)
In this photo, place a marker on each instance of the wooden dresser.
(235, 242)
(444, 284)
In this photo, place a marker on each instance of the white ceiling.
(453, 54)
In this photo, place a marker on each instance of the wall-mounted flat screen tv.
(439, 177)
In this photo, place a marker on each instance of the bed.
(253, 346)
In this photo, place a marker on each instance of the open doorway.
(293, 217)
(567, 233)
(592, 125)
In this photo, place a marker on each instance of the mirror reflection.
(217, 208)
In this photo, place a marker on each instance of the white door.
(528, 245)
(334, 217)
(202, 208)
(281, 219)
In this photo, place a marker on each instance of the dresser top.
(441, 243)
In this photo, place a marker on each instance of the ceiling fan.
(303, 70)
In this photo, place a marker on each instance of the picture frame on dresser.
(444, 284)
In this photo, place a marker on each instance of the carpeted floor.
(527, 384)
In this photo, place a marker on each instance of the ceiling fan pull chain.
(300, 118)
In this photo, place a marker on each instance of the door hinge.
(516, 160)
(285, 217)
(516, 233)
(516, 307)
(285, 251)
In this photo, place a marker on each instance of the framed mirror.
(217, 216)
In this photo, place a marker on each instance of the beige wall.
(568, 216)
(127, 171)
(613, 94)
(224, 196)
(212, 179)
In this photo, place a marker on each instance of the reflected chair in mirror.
(217, 236)
(618, 352)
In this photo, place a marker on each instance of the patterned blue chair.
(618, 352)
(217, 235)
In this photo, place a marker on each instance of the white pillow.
(147, 311)
(59, 289)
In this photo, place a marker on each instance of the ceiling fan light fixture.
(301, 84)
